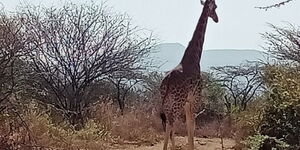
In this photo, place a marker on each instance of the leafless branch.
(276, 5)
(241, 82)
(284, 42)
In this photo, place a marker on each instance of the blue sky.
(239, 27)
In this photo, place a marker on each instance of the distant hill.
(168, 55)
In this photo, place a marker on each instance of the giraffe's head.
(211, 9)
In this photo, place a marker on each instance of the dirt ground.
(181, 144)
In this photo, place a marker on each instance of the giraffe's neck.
(191, 58)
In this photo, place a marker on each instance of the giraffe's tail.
(163, 119)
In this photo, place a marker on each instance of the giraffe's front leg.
(190, 124)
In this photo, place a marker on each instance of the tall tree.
(72, 46)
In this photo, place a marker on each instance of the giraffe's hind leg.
(190, 124)
(167, 135)
(172, 136)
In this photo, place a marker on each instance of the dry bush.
(105, 127)
(208, 130)
(36, 130)
(212, 129)
(139, 125)
(136, 126)
(212, 124)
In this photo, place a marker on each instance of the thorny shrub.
(34, 129)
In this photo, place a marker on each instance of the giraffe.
(179, 89)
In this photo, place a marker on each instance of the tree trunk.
(119, 99)
(76, 117)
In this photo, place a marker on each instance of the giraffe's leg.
(190, 123)
(167, 135)
(172, 136)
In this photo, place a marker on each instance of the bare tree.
(124, 82)
(284, 42)
(72, 46)
(11, 46)
(241, 83)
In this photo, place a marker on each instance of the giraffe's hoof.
(178, 147)
(201, 142)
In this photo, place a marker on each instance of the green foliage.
(281, 118)
(263, 142)
(213, 93)
(248, 122)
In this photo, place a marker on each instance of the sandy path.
(200, 144)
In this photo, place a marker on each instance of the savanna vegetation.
(80, 77)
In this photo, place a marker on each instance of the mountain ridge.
(169, 56)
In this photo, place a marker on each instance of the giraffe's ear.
(202, 2)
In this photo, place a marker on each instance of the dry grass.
(36, 130)
(139, 125)
(106, 128)
(212, 129)
(208, 130)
